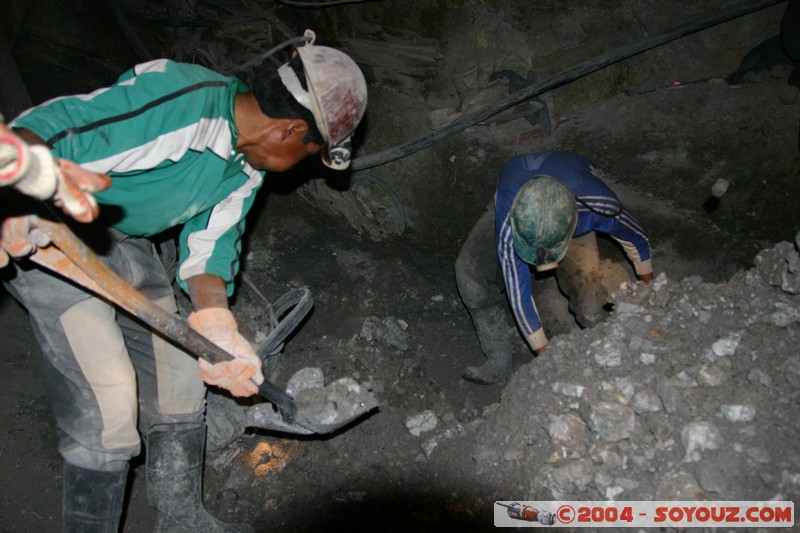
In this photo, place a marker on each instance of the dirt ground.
(687, 391)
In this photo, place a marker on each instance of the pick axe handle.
(120, 293)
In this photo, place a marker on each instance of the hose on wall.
(578, 71)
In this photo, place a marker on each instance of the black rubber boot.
(175, 483)
(490, 325)
(92, 500)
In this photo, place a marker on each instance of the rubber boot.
(92, 500)
(175, 483)
(490, 325)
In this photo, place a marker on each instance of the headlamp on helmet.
(336, 96)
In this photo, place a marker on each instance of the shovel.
(320, 410)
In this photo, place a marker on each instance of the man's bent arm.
(207, 290)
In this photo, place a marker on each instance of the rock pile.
(689, 391)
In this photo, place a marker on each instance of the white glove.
(242, 375)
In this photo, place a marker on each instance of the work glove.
(33, 171)
(17, 239)
(75, 187)
(241, 375)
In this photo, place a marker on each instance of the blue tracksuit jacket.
(599, 210)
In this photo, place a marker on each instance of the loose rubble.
(687, 392)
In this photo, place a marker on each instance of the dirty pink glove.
(32, 170)
(241, 375)
(18, 238)
(75, 187)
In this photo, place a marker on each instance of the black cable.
(322, 4)
(566, 76)
(261, 57)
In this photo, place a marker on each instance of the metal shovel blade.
(320, 410)
(329, 408)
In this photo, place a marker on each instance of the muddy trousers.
(480, 286)
(107, 377)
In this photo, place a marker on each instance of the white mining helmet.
(336, 96)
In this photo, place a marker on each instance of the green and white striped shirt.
(165, 134)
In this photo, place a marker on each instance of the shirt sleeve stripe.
(224, 216)
(205, 134)
(131, 114)
(511, 274)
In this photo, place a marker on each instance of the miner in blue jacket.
(546, 211)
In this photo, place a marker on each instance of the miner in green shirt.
(185, 148)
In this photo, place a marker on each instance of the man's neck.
(248, 117)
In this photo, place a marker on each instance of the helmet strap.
(293, 85)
